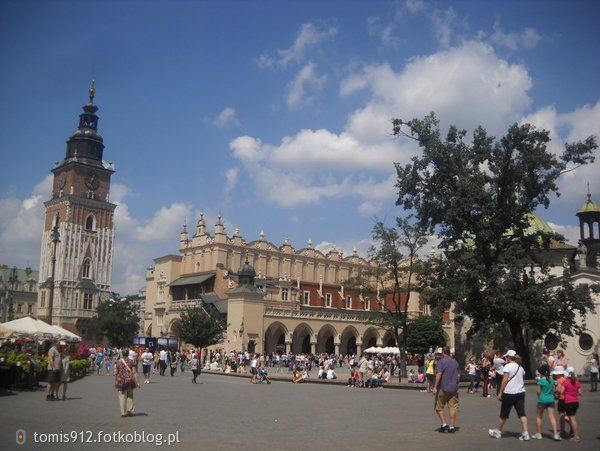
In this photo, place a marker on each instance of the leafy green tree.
(118, 320)
(424, 333)
(480, 197)
(392, 281)
(201, 326)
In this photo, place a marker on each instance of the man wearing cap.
(447, 378)
(512, 394)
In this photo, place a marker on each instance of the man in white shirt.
(147, 358)
(163, 361)
(499, 368)
(512, 394)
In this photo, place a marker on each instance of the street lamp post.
(55, 240)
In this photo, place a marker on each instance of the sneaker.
(451, 430)
(524, 437)
(557, 438)
(495, 433)
(537, 436)
(444, 428)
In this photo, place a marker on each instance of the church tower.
(78, 236)
(589, 225)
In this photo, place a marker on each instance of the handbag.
(127, 379)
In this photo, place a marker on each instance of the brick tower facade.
(78, 237)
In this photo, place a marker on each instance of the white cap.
(569, 370)
(511, 353)
(558, 370)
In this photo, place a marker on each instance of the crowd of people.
(557, 387)
(500, 375)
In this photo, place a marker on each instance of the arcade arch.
(301, 339)
(275, 338)
(326, 339)
(349, 340)
(389, 340)
(371, 338)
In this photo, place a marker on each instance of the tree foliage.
(424, 333)
(117, 319)
(201, 326)
(479, 197)
(392, 280)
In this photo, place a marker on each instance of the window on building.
(87, 301)
(90, 222)
(86, 268)
(327, 299)
(306, 298)
(19, 308)
(160, 320)
(285, 292)
(76, 301)
(367, 304)
(586, 341)
(43, 299)
(349, 302)
(29, 308)
(551, 341)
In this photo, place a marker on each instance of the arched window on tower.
(87, 264)
(90, 222)
(55, 220)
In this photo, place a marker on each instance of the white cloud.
(310, 35)
(227, 117)
(231, 179)
(450, 82)
(306, 80)
(165, 224)
(357, 162)
(444, 23)
(385, 28)
(528, 38)
(21, 225)
(571, 127)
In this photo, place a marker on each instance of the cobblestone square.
(226, 413)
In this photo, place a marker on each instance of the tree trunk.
(521, 346)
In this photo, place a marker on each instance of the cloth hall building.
(297, 302)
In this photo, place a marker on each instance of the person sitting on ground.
(412, 377)
(420, 377)
(331, 374)
(354, 379)
(297, 377)
(322, 373)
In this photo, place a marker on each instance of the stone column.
(313, 347)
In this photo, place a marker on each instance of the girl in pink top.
(571, 388)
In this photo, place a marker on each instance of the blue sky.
(276, 113)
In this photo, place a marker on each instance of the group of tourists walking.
(557, 387)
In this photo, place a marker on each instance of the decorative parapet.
(279, 312)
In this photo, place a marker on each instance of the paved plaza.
(228, 413)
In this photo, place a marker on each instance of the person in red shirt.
(570, 387)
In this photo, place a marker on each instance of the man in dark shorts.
(147, 358)
(447, 378)
(54, 363)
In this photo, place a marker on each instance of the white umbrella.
(31, 327)
(391, 350)
(5, 332)
(67, 335)
(372, 350)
